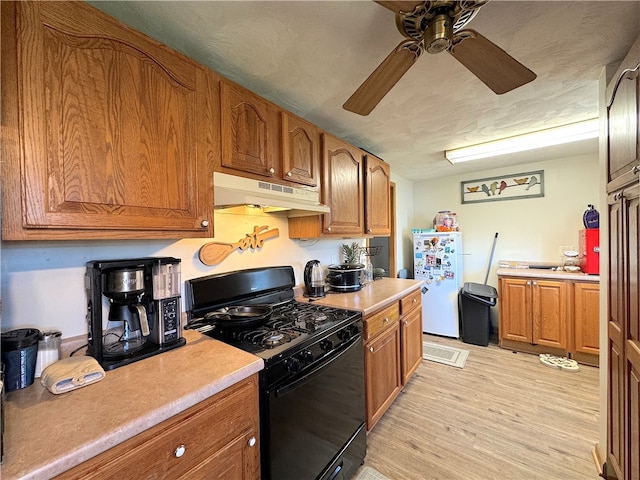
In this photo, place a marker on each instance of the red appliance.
(590, 250)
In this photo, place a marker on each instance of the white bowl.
(572, 268)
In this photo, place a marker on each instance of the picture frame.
(515, 186)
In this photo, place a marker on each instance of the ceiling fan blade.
(398, 6)
(383, 78)
(493, 66)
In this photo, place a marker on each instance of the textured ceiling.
(309, 57)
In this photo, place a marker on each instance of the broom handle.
(493, 249)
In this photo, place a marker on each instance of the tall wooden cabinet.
(623, 317)
(106, 132)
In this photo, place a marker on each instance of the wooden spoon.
(213, 253)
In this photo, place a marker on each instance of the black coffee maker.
(140, 301)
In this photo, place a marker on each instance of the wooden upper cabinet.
(300, 151)
(343, 187)
(622, 123)
(249, 132)
(378, 197)
(106, 133)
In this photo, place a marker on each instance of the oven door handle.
(285, 389)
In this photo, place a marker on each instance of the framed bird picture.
(505, 187)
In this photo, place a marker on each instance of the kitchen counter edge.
(46, 434)
(547, 273)
(371, 297)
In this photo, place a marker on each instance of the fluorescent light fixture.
(529, 141)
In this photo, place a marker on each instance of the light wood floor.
(504, 416)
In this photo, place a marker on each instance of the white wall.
(531, 229)
(42, 283)
(404, 218)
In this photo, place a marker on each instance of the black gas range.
(312, 387)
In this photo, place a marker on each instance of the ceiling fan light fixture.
(529, 141)
(437, 37)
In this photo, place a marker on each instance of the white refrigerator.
(437, 259)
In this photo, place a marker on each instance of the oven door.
(314, 422)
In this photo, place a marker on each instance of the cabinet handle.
(328, 229)
(414, 301)
(204, 223)
(528, 282)
(252, 441)
(288, 174)
(180, 451)
(535, 283)
(635, 170)
(272, 170)
(368, 230)
(386, 320)
(371, 349)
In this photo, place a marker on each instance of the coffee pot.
(128, 324)
(314, 279)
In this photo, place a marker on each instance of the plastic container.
(445, 221)
(474, 303)
(19, 353)
(48, 350)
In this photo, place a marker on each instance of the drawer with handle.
(379, 321)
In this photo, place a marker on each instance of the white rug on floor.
(456, 357)
(368, 473)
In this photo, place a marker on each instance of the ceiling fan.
(435, 26)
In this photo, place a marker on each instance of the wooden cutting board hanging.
(213, 253)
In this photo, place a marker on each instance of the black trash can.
(474, 302)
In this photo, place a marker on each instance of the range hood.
(231, 191)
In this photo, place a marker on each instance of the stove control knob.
(293, 365)
(306, 357)
(345, 334)
(326, 345)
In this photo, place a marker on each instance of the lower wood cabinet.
(542, 315)
(216, 439)
(393, 352)
(411, 334)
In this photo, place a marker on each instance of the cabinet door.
(632, 346)
(217, 438)
(300, 151)
(586, 302)
(411, 336)
(112, 129)
(515, 307)
(247, 131)
(622, 122)
(624, 333)
(378, 197)
(382, 373)
(549, 313)
(342, 187)
(615, 343)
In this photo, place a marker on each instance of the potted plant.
(351, 252)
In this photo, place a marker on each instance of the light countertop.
(47, 434)
(546, 273)
(371, 297)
